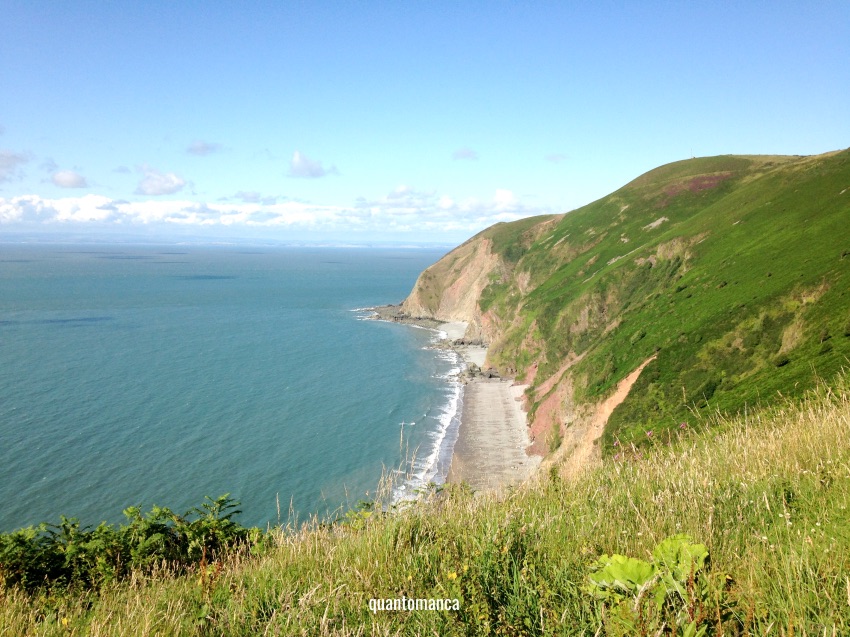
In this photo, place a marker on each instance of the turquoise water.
(159, 375)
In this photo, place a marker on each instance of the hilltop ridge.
(731, 271)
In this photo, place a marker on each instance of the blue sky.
(390, 121)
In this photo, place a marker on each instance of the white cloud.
(465, 153)
(35, 209)
(32, 208)
(253, 196)
(12, 210)
(155, 183)
(400, 192)
(69, 179)
(201, 148)
(504, 200)
(407, 210)
(10, 164)
(403, 212)
(556, 158)
(303, 166)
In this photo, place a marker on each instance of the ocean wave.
(434, 464)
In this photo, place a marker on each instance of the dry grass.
(767, 493)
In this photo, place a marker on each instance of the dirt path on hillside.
(579, 448)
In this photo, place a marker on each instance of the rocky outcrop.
(450, 289)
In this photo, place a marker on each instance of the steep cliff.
(732, 272)
(451, 289)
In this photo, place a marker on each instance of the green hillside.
(733, 269)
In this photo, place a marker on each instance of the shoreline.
(491, 449)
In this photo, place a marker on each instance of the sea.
(158, 375)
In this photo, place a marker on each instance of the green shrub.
(781, 360)
(667, 595)
(66, 555)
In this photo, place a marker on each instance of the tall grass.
(768, 495)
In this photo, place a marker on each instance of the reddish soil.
(579, 448)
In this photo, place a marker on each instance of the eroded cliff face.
(450, 289)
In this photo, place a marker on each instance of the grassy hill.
(732, 269)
